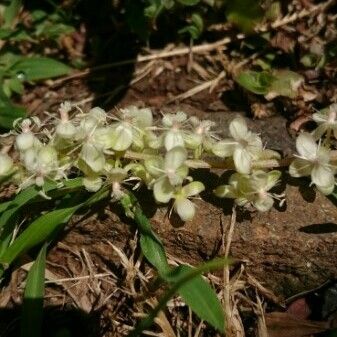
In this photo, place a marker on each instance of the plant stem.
(218, 163)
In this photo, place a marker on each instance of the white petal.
(306, 146)
(155, 166)
(121, 138)
(264, 204)
(326, 190)
(172, 139)
(163, 191)
(92, 184)
(242, 160)
(224, 148)
(93, 157)
(24, 141)
(254, 143)
(185, 209)
(144, 117)
(193, 140)
(47, 157)
(300, 168)
(175, 158)
(193, 188)
(65, 130)
(98, 114)
(238, 128)
(322, 176)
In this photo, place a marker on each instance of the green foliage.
(184, 277)
(187, 281)
(17, 69)
(32, 307)
(244, 14)
(271, 83)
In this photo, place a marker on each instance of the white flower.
(184, 207)
(116, 176)
(313, 160)
(201, 135)
(168, 172)
(41, 162)
(6, 164)
(251, 189)
(174, 136)
(93, 156)
(244, 146)
(95, 118)
(326, 120)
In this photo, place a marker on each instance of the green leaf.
(11, 12)
(151, 246)
(39, 68)
(32, 308)
(285, 83)
(199, 296)
(46, 226)
(8, 112)
(195, 28)
(189, 2)
(195, 291)
(38, 231)
(254, 81)
(244, 14)
(183, 277)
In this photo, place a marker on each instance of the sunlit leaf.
(32, 308)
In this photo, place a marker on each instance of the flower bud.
(25, 141)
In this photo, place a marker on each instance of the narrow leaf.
(32, 310)
(39, 68)
(200, 297)
(11, 12)
(181, 279)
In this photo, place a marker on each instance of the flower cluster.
(129, 148)
(314, 151)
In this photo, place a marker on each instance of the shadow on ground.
(57, 322)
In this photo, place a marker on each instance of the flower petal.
(264, 204)
(224, 148)
(175, 158)
(93, 157)
(92, 184)
(172, 139)
(193, 188)
(242, 160)
(185, 209)
(121, 137)
(300, 168)
(163, 191)
(326, 190)
(306, 146)
(322, 176)
(273, 177)
(238, 128)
